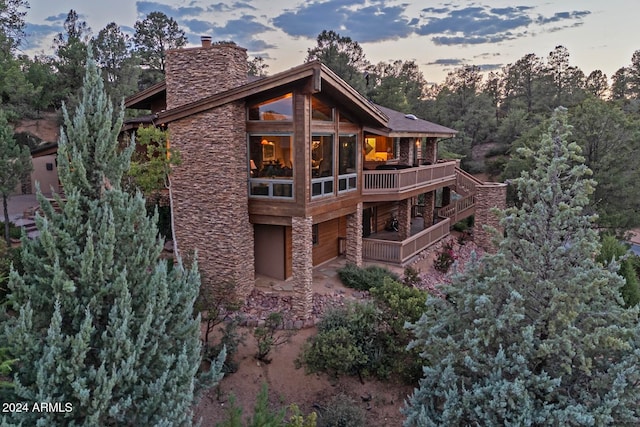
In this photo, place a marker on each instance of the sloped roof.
(401, 124)
(376, 118)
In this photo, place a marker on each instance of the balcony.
(385, 185)
(399, 252)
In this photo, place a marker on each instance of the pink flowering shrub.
(445, 259)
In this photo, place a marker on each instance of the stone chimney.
(206, 41)
(195, 73)
(209, 188)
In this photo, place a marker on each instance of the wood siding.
(328, 233)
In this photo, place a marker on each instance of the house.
(284, 173)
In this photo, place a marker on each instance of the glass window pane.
(280, 108)
(321, 156)
(320, 111)
(271, 156)
(347, 154)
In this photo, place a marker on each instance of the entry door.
(269, 247)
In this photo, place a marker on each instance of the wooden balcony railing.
(459, 209)
(397, 181)
(466, 183)
(400, 252)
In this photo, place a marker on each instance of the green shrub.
(400, 304)
(346, 342)
(368, 338)
(411, 276)
(15, 232)
(264, 416)
(267, 336)
(613, 249)
(342, 411)
(366, 278)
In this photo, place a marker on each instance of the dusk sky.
(439, 36)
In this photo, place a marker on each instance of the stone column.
(404, 219)
(430, 151)
(354, 237)
(429, 206)
(302, 250)
(488, 196)
(406, 151)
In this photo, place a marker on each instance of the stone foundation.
(488, 197)
(404, 219)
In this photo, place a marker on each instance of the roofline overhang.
(399, 134)
(314, 70)
(145, 94)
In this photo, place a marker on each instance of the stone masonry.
(209, 188)
(302, 248)
(354, 237)
(429, 206)
(488, 196)
(404, 219)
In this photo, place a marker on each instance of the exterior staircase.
(464, 206)
(28, 221)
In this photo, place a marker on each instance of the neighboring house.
(281, 174)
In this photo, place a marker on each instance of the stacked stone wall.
(196, 73)
(431, 151)
(209, 187)
(488, 196)
(404, 219)
(209, 192)
(302, 247)
(354, 237)
(429, 206)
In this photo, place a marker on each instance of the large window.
(379, 149)
(321, 165)
(280, 108)
(271, 165)
(347, 174)
(320, 110)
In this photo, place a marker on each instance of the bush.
(366, 278)
(15, 232)
(342, 411)
(346, 342)
(368, 338)
(267, 336)
(263, 416)
(445, 259)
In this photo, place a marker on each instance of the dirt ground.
(380, 401)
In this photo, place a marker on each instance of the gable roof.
(319, 76)
(376, 118)
(408, 125)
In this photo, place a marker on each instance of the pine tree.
(537, 333)
(15, 165)
(101, 323)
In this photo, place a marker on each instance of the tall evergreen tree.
(536, 334)
(343, 56)
(15, 165)
(101, 324)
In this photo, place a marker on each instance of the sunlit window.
(280, 108)
(320, 111)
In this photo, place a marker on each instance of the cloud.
(146, 7)
(446, 24)
(364, 22)
(447, 61)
